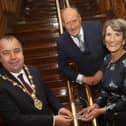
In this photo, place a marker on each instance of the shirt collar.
(16, 74)
(80, 33)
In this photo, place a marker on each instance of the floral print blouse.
(113, 92)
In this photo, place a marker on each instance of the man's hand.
(88, 80)
(64, 111)
(62, 120)
(92, 80)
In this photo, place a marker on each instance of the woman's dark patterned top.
(113, 93)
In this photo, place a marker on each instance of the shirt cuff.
(53, 120)
(79, 79)
(60, 110)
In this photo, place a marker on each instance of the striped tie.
(20, 76)
(81, 43)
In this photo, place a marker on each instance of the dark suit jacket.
(89, 61)
(18, 108)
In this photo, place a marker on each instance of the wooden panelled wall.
(117, 6)
(11, 6)
(8, 8)
(3, 23)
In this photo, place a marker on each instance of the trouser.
(95, 90)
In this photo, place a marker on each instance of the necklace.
(115, 58)
(37, 103)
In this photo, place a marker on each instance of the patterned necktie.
(20, 76)
(81, 43)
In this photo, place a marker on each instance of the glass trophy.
(78, 108)
(79, 117)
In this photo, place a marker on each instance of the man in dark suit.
(81, 44)
(22, 105)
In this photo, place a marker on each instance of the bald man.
(82, 44)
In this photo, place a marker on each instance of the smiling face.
(71, 21)
(11, 54)
(114, 40)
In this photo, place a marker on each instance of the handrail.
(67, 3)
(71, 98)
(69, 87)
(59, 16)
(90, 102)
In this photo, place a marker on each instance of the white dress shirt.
(24, 76)
(75, 39)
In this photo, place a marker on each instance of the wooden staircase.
(38, 29)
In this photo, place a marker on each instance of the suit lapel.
(9, 75)
(16, 90)
(71, 43)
